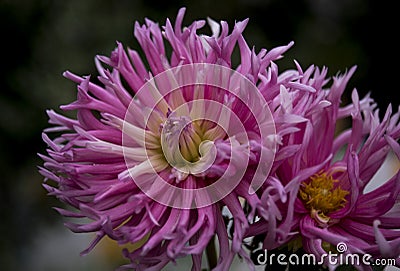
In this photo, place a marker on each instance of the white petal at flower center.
(184, 148)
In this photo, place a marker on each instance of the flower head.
(321, 196)
(326, 179)
(154, 157)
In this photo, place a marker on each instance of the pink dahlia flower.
(158, 157)
(323, 176)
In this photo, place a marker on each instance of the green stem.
(211, 253)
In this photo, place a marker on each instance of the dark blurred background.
(42, 38)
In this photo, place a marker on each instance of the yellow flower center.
(321, 196)
(188, 146)
(184, 136)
